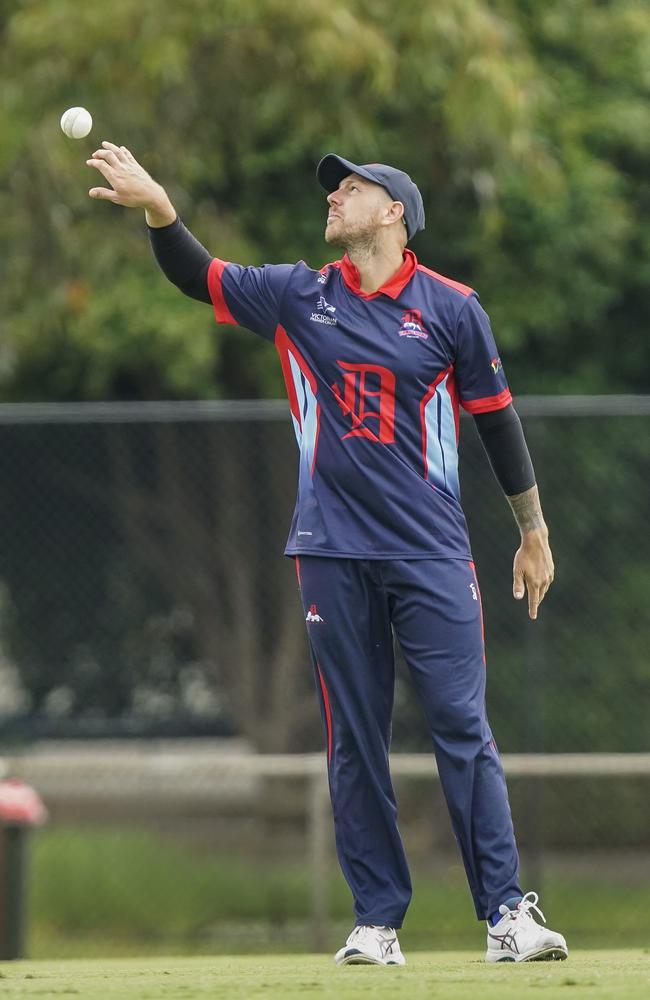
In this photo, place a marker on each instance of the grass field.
(608, 975)
(121, 893)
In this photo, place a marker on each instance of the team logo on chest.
(325, 313)
(412, 326)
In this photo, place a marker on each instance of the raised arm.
(182, 259)
(503, 439)
(241, 296)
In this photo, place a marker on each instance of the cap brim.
(332, 169)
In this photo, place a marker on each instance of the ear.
(394, 212)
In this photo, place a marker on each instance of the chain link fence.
(143, 593)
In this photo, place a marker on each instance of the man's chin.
(363, 238)
(333, 235)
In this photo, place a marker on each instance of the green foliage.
(525, 124)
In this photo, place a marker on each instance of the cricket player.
(378, 353)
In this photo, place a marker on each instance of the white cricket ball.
(76, 122)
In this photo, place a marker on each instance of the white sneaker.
(368, 945)
(519, 938)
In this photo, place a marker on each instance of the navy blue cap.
(332, 169)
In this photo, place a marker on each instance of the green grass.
(618, 975)
(122, 892)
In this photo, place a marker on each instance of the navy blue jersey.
(374, 384)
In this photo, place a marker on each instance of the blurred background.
(153, 662)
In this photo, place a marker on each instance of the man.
(377, 353)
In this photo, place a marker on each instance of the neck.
(375, 265)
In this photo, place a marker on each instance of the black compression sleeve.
(182, 259)
(503, 439)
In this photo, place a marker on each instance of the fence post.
(319, 829)
(20, 810)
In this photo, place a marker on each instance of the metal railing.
(160, 775)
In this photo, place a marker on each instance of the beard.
(359, 237)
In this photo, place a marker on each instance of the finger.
(108, 156)
(103, 194)
(534, 600)
(127, 152)
(104, 168)
(111, 146)
(547, 583)
(518, 584)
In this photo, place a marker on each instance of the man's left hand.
(533, 569)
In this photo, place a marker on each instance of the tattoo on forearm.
(527, 510)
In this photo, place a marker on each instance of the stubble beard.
(360, 240)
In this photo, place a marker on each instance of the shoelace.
(362, 931)
(524, 906)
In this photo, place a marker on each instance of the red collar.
(393, 287)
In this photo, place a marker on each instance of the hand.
(132, 186)
(533, 568)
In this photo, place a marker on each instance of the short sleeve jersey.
(374, 384)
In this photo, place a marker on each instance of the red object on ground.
(20, 805)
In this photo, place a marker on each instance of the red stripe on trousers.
(328, 714)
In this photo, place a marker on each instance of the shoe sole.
(359, 959)
(554, 954)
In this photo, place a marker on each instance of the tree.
(524, 124)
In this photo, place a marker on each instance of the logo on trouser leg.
(472, 587)
(312, 614)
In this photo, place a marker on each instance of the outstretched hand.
(131, 185)
(533, 569)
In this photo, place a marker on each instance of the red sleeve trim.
(221, 311)
(487, 403)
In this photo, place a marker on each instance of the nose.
(332, 199)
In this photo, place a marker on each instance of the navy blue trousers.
(353, 609)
